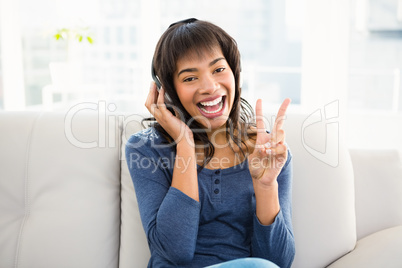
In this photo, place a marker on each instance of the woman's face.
(205, 86)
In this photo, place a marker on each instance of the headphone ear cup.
(155, 77)
(157, 82)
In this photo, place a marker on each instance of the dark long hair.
(190, 36)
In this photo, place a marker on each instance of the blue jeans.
(246, 263)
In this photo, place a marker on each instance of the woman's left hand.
(270, 151)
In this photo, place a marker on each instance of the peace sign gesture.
(270, 151)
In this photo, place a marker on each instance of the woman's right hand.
(176, 128)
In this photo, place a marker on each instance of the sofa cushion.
(381, 249)
(378, 183)
(59, 201)
(134, 250)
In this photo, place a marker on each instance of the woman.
(213, 187)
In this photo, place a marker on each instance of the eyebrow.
(195, 69)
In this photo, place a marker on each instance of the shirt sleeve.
(169, 217)
(275, 242)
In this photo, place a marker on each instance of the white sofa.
(67, 200)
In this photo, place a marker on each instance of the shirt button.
(217, 172)
(216, 191)
(217, 181)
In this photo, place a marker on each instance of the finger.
(281, 116)
(278, 138)
(279, 149)
(259, 118)
(152, 96)
(161, 100)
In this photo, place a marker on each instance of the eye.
(219, 70)
(189, 79)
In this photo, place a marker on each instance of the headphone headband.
(188, 21)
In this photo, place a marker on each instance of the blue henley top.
(182, 232)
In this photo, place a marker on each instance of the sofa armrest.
(381, 249)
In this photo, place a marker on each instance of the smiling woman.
(230, 204)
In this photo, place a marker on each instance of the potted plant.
(73, 36)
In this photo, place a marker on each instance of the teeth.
(212, 103)
(212, 112)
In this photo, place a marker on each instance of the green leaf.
(90, 40)
(79, 38)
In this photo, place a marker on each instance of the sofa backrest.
(323, 189)
(59, 190)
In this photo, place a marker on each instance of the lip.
(210, 116)
(211, 98)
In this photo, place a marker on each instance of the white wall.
(11, 56)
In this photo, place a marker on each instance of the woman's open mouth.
(212, 108)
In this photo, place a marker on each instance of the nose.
(209, 84)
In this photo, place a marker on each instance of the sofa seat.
(381, 249)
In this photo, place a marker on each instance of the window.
(375, 56)
(116, 67)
